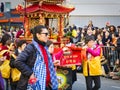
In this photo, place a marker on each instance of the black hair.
(49, 42)
(19, 43)
(37, 29)
(118, 26)
(8, 42)
(89, 38)
(4, 38)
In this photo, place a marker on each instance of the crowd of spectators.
(109, 39)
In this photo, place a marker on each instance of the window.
(7, 6)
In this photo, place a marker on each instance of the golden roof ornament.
(46, 1)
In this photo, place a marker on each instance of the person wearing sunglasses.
(35, 64)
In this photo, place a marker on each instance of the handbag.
(5, 69)
(33, 86)
(15, 73)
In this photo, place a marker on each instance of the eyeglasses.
(45, 34)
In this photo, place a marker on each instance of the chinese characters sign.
(74, 58)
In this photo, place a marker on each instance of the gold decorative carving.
(34, 22)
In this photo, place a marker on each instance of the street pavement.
(106, 84)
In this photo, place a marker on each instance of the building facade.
(99, 11)
(11, 4)
(9, 16)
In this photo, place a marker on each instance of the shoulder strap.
(3, 51)
(14, 56)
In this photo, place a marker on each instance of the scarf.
(39, 70)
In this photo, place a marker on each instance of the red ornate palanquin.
(40, 11)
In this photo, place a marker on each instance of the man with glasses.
(35, 64)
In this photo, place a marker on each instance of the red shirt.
(45, 56)
(19, 33)
(7, 54)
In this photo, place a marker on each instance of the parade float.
(40, 12)
(48, 13)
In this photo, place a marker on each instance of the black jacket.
(24, 63)
(12, 59)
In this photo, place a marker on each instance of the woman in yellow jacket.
(92, 70)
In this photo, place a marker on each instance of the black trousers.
(48, 88)
(90, 80)
(13, 85)
(74, 76)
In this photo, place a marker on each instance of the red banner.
(74, 58)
